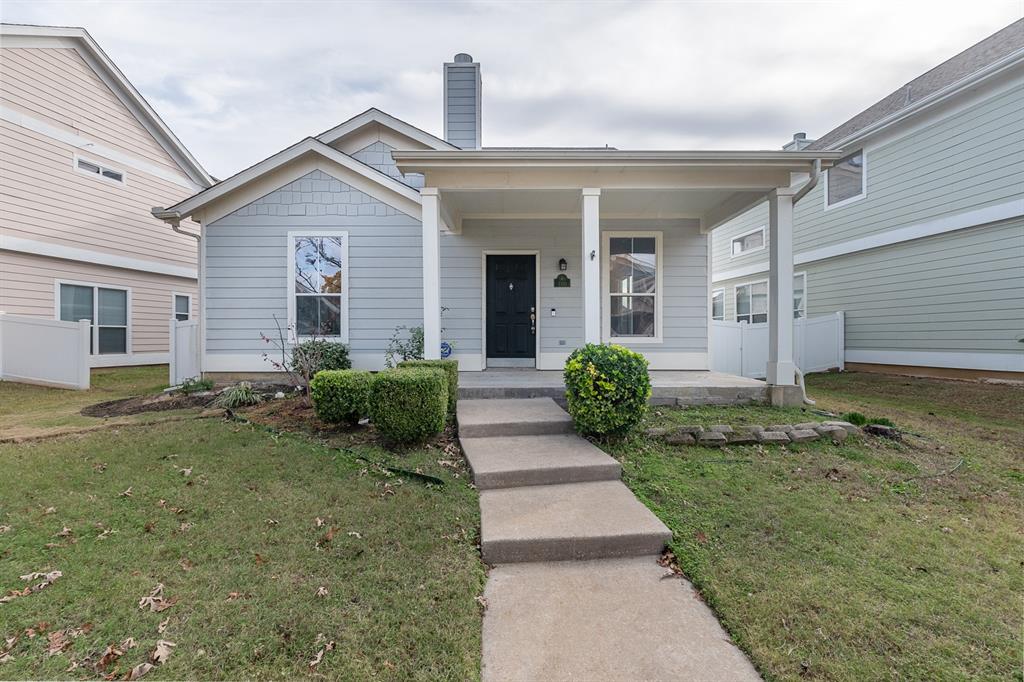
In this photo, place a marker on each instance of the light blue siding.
(378, 155)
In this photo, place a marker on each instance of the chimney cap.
(799, 136)
(463, 58)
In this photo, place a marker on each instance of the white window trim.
(103, 167)
(803, 275)
(764, 243)
(290, 285)
(714, 292)
(659, 292)
(174, 309)
(95, 314)
(736, 299)
(863, 184)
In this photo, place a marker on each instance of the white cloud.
(239, 81)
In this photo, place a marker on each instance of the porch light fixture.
(562, 265)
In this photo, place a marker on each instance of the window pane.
(306, 315)
(718, 305)
(330, 315)
(306, 265)
(330, 265)
(113, 175)
(113, 340)
(798, 296)
(88, 167)
(760, 317)
(181, 306)
(75, 303)
(750, 242)
(113, 307)
(845, 179)
(632, 316)
(632, 264)
(742, 301)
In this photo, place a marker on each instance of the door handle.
(533, 320)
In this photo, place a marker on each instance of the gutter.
(173, 218)
(810, 184)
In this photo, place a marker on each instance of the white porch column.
(432, 273)
(591, 265)
(781, 370)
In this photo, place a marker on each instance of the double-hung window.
(752, 302)
(845, 181)
(106, 308)
(718, 304)
(318, 277)
(633, 286)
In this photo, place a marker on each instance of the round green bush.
(409, 405)
(607, 388)
(451, 368)
(341, 396)
(318, 355)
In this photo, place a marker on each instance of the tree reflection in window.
(318, 278)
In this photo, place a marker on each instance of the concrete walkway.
(575, 592)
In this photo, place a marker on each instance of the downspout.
(808, 186)
(173, 218)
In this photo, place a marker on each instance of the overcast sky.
(238, 81)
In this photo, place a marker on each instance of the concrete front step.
(516, 417)
(511, 461)
(569, 521)
(613, 620)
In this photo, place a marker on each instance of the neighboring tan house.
(509, 257)
(83, 159)
(917, 233)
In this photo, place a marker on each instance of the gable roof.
(373, 115)
(108, 72)
(304, 147)
(998, 50)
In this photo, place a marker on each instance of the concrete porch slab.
(610, 620)
(571, 521)
(510, 461)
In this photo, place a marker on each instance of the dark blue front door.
(511, 306)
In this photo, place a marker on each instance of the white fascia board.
(387, 120)
(108, 72)
(58, 250)
(799, 161)
(947, 223)
(309, 145)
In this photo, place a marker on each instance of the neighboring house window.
(318, 276)
(98, 170)
(749, 242)
(799, 295)
(718, 304)
(633, 285)
(182, 307)
(845, 180)
(105, 308)
(752, 302)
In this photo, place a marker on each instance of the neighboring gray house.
(508, 257)
(917, 233)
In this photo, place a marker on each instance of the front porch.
(668, 387)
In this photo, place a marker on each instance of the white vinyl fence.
(36, 350)
(742, 349)
(184, 355)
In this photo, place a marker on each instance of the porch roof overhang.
(713, 186)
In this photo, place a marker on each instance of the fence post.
(841, 339)
(84, 334)
(1, 345)
(171, 354)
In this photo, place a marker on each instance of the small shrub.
(451, 368)
(882, 421)
(317, 355)
(341, 396)
(242, 395)
(409, 405)
(607, 388)
(195, 385)
(406, 344)
(855, 418)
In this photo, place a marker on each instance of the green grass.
(856, 562)
(402, 570)
(27, 410)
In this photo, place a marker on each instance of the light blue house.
(916, 233)
(510, 257)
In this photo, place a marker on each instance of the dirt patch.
(148, 403)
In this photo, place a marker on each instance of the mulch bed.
(148, 403)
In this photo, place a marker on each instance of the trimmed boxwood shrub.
(607, 388)
(451, 368)
(341, 396)
(317, 355)
(409, 405)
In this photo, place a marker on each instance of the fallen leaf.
(319, 522)
(186, 526)
(186, 565)
(155, 601)
(105, 534)
(50, 510)
(320, 654)
(321, 591)
(5, 529)
(130, 643)
(109, 657)
(126, 493)
(162, 652)
(234, 595)
(57, 642)
(355, 535)
(185, 471)
(161, 503)
(148, 528)
(163, 626)
(271, 522)
(481, 601)
(138, 671)
(65, 532)
(701, 537)
(259, 559)
(100, 467)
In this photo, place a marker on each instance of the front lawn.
(869, 560)
(270, 548)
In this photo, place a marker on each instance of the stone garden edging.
(778, 434)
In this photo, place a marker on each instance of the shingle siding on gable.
(378, 155)
(247, 266)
